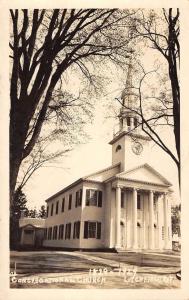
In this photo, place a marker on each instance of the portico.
(143, 214)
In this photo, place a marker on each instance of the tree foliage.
(161, 31)
(44, 45)
(18, 206)
(175, 218)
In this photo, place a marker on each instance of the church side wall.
(68, 216)
(95, 214)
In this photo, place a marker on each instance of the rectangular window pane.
(93, 198)
(92, 230)
(87, 197)
(47, 211)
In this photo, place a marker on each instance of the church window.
(76, 231)
(45, 234)
(70, 202)
(78, 198)
(118, 148)
(55, 230)
(68, 231)
(92, 229)
(61, 232)
(49, 233)
(93, 198)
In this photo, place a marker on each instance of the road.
(60, 269)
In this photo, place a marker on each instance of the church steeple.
(128, 143)
(128, 118)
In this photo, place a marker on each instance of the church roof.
(144, 173)
(104, 174)
(34, 222)
(97, 177)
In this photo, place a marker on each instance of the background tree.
(175, 218)
(42, 212)
(161, 30)
(19, 206)
(45, 44)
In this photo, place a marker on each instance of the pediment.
(144, 173)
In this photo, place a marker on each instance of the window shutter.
(74, 232)
(98, 230)
(87, 197)
(100, 199)
(81, 195)
(86, 230)
(78, 228)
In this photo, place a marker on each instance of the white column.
(118, 216)
(165, 212)
(151, 220)
(144, 222)
(128, 220)
(159, 222)
(134, 205)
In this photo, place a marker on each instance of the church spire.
(128, 92)
(128, 119)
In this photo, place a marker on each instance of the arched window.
(118, 148)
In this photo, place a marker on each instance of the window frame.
(68, 231)
(76, 230)
(98, 229)
(99, 198)
(78, 197)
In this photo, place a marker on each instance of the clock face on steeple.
(137, 148)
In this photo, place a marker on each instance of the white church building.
(123, 207)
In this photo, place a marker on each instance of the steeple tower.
(128, 142)
(128, 118)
